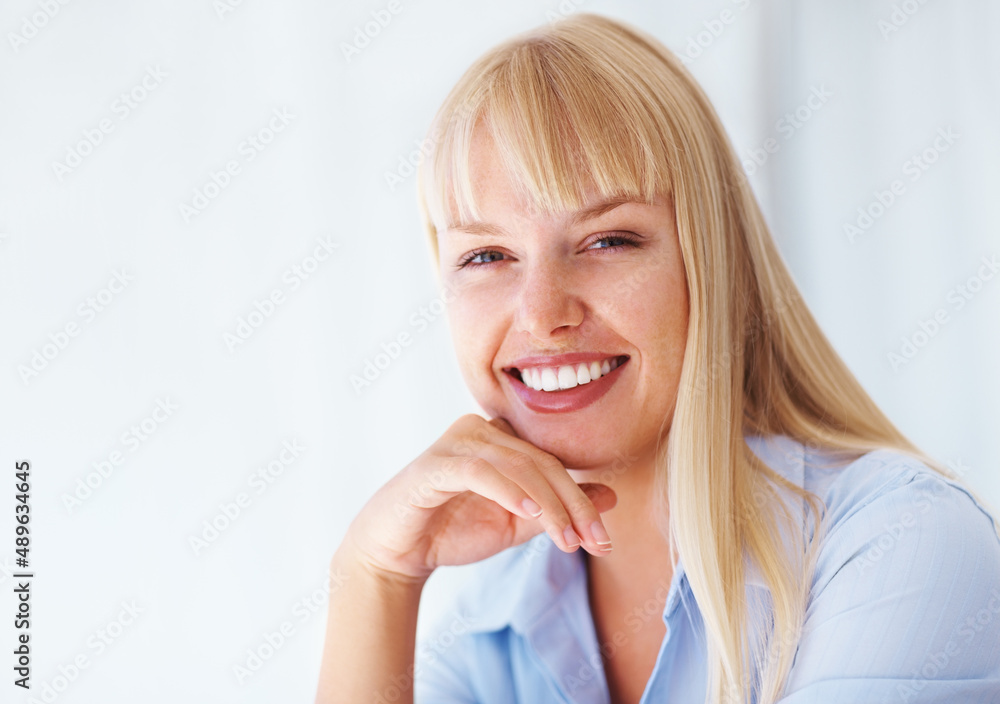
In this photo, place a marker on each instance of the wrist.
(350, 561)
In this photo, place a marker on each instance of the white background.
(324, 177)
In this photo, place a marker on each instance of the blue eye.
(630, 241)
(475, 254)
(470, 263)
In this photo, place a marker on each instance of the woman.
(754, 529)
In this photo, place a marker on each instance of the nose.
(547, 300)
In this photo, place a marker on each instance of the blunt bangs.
(570, 118)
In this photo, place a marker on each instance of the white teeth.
(566, 376)
(549, 380)
(536, 379)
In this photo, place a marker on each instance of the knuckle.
(473, 466)
(548, 463)
(519, 463)
(465, 421)
(462, 448)
(580, 505)
(557, 515)
(462, 421)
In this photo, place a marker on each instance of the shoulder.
(904, 601)
(886, 500)
(891, 525)
(869, 495)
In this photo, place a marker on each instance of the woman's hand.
(463, 500)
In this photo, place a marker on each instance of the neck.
(640, 552)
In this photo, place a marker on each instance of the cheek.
(474, 334)
(650, 310)
(470, 318)
(658, 318)
(669, 320)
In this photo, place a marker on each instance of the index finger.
(584, 518)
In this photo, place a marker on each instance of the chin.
(573, 452)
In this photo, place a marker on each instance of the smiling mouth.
(554, 379)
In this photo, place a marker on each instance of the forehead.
(495, 188)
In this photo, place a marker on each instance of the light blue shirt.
(904, 606)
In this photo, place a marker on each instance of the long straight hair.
(591, 102)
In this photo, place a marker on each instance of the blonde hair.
(592, 103)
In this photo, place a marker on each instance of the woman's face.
(575, 289)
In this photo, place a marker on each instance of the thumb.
(603, 496)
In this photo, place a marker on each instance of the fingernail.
(600, 535)
(531, 507)
(572, 539)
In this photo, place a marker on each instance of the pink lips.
(566, 400)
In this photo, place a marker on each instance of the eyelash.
(630, 240)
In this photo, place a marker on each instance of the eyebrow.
(589, 213)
